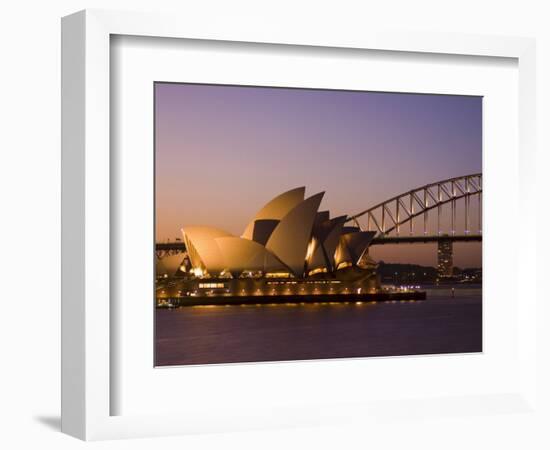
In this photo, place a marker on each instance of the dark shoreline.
(299, 299)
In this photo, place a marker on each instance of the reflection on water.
(226, 334)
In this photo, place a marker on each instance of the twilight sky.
(222, 152)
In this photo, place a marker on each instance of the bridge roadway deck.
(426, 239)
(377, 241)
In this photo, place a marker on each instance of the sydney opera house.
(288, 248)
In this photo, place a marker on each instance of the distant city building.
(445, 258)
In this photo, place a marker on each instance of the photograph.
(296, 223)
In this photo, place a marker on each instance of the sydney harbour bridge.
(442, 212)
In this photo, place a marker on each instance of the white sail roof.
(276, 209)
(287, 235)
(327, 240)
(352, 246)
(291, 236)
(242, 254)
(202, 248)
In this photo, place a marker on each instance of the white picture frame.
(86, 221)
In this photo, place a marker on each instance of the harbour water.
(447, 322)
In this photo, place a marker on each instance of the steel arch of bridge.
(391, 215)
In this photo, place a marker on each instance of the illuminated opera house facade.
(288, 248)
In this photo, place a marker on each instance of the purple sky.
(223, 151)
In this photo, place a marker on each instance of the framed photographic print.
(303, 277)
(266, 228)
